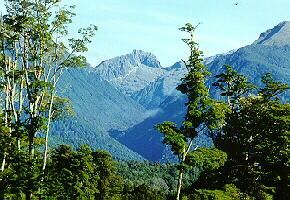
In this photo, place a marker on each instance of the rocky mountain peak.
(131, 72)
(136, 58)
(146, 58)
(277, 36)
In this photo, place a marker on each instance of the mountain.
(132, 72)
(99, 107)
(143, 138)
(95, 100)
(277, 36)
(118, 103)
(253, 61)
(156, 92)
(146, 141)
(141, 76)
(269, 54)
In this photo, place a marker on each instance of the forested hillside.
(215, 128)
(98, 108)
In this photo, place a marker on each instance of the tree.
(33, 56)
(256, 138)
(110, 184)
(72, 174)
(203, 113)
(229, 192)
(274, 145)
(232, 85)
(144, 192)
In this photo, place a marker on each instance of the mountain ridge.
(98, 107)
(252, 61)
(124, 71)
(279, 35)
(119, 102)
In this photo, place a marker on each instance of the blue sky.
(152, 25)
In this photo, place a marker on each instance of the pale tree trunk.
(181, 171)
(9, 103)
(31, 102)
(229, 101)
(6, 108)
(3, 60)
(179, 184)
(9, 92)
(47, 132)
(55, 80)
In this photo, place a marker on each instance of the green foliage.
(272, 88)
(256, 139)
(143, 192)
(232, 84)
(173, 137)
(229, 192)
(110, 184)
(82, 174)
(32, 60)
(206, 159)
(72, 174)
(158, 176)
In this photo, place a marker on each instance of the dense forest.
(249, 126)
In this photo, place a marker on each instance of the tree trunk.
(3, 162)
(31, 146)
(181, 171)
(47, 131)
(180, 176)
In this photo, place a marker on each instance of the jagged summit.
(277, 36)
(146, 58)
(137, 57)
(130, 72)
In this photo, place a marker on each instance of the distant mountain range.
(118, 102)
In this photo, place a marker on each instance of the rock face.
(277, 36)
(132, 72)
(152, 96)
(140, 76)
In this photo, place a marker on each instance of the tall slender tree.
(203, 113)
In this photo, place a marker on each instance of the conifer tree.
(203, 113)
